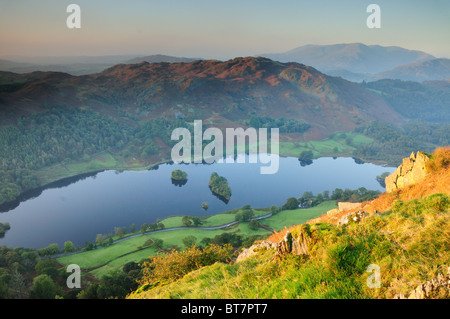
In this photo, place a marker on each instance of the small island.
(179, 177)
(3, 228)
(219, 187)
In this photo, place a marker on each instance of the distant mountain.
(157, 58)
(81, 65)
(353, 57)
(436, 69)
(225, 92)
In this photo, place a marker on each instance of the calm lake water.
(80, 210)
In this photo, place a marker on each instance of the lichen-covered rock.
(411, 171)
(255, 248)
(352, 217)
(435, 288)
(300, 242)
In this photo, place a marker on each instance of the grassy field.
(339, 144)
(101, 261)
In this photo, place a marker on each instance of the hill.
(157, 58)
(435, 69)
(351, 57)
(406, 243)
(81, 65)
(428, 101)
(226, 91)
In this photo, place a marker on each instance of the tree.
(291, 203)
(119, 232)
(100, 239)
(178, 175)
(158, 243)
(44, 288)
(186, 220)
(197, 221)
(244, 215)
(51, 249)
(254, 224)
(317, 200)
(144, 227)
(189, 240)
(68, 247)
(18, 285)
(306, 197)
(274, 209)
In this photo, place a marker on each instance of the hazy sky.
(217, 29)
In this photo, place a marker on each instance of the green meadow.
(102, 260)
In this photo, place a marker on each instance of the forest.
(60, 135)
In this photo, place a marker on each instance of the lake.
(80, 208)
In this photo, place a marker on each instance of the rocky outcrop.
(300, 242)
(353, 217)
(255, 248)
(436, 288)
(411, 171)
(348, 206)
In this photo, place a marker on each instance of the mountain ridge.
(352, 57)
(232, 89)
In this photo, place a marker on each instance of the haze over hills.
(157, 58)
(352, 57)
(355, 62)
(79, 65)
(232, 90)
(435, 69)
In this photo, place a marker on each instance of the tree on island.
(219, 186)
(179, 175)
(305, 158)
(381, 179)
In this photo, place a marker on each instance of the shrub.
(174, 265)
(439, 160)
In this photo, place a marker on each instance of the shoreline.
(61, 180)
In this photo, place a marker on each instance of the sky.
(216, 29)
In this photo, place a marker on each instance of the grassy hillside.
(410, 243)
